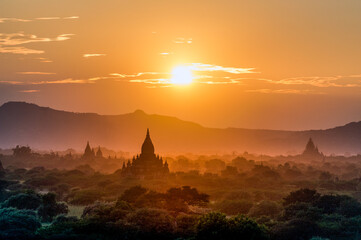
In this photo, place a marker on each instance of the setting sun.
(208, 119)
(181, 75)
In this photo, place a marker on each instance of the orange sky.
(257, 64)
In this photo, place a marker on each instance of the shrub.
(234, 207)
(212, 226)
(295, 229)
(50, 208)
(23, 201)
(265, 208)
(217, 226)
(302, 195)
(106, 212)
(84, 197)
(152, 221)
(186, 225)
(132, 194)
(18, 224)
(301, 210)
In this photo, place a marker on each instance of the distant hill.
(45, 128)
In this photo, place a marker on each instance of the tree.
(18, 224)
(132, 194)
(234, 207)
(84, 197)
(5, 183)
(2, 170)
(325, 176)
(296, 229)
(242, 164)
(242, 227)
(187, 194)
(349, 207)
(302, 210)
(152, 222)
(217, 226)
(265, 172)
(23, 201)
(151, 199)
(215, 165)
(22, 151)
(50, 208)
(330, 203)
(107, 212)
(186, 225)
(42, 181)
(302, 195)
(229, 172)
(265, 208)
(212, 226)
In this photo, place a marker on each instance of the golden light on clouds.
(88, 55)
(233, 52)
(36, 73)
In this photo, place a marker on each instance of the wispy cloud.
(11, 82)
(63, 81)
(47, 18)
(8, 40)
(203, 73)
(152, 81)
(322, 82)
(12, 39)
(88, 55)
(284, 91)
(181, 40)
(56, 18)
(149, 78)
(20, 50)
(120, 75)
(71, 17)
(212, 68)
(219, 75)
(218, 81)
(29, 91)
(3, 20)
(44, 60)
(35, 73)
(46, 82)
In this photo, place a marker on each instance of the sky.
(269, 64)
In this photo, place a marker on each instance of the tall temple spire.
(147, 147)
(99, 153)
(88, 152)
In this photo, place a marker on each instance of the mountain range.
(48, 129)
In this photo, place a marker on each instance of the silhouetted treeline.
(207, 197)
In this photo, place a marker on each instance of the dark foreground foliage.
(258, 204)
(157, 224)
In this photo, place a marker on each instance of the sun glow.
(182, 75)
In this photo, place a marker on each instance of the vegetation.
(240, 199)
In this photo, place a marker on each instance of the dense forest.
(201, 198)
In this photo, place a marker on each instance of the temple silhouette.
(311, 150)
(147, 164)
(90, 154)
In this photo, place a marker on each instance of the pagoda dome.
(147, 147)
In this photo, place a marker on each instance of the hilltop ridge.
(46, 128)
